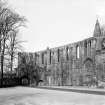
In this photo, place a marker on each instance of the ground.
(33, 96)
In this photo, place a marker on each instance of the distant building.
(78, 63)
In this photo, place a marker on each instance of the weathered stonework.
(73, 64)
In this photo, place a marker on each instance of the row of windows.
(68, 50)
(58, 55)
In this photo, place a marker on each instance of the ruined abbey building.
(80, 63)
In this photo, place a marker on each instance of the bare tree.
(10, 22)
(13, 46)
(3, 37)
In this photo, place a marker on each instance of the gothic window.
(50, 57)
(89, 43)
(77, 51)
(85, 48)
(67, 53)
(42, 58)
(58, 55)
(89, 47)
(45, 58)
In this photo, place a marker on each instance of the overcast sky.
(53, 23)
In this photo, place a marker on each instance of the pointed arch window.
(50, 57)
(58, 55)
(89, 43)
(67, 53)
(42, 58)
(77, 52)
(85, 48)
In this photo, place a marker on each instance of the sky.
(53, 23)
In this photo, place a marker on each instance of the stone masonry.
(73, 64)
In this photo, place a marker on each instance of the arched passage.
(88, 71)
(24, 80)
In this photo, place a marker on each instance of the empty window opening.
(67, 53)
(42, 58)
(77, 52)
(89, 43)
(50, 57)
(58, 55)
(85, 48)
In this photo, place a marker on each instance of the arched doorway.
(88, 71)
(24, 80)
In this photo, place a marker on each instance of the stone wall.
(78, 63)
(72, 64)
